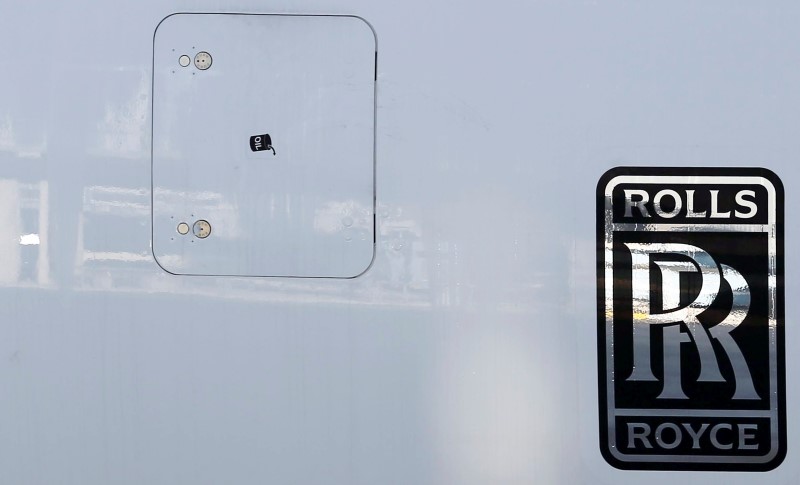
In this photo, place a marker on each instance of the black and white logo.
(261, 142)
(690, 318)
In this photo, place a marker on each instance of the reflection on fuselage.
(24, 246)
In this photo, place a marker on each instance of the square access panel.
(263, 145)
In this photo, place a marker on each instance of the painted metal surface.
(310, 82)
(467, 352)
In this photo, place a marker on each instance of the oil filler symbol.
(261, 142)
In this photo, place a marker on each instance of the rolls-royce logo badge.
(690, 318)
